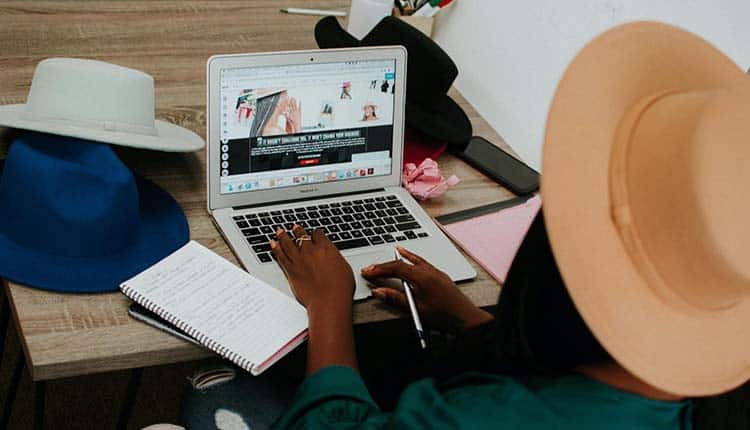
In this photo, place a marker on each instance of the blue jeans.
(224, 397)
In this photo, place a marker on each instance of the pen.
(313, 11)
(413, 308)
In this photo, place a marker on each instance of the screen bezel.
(216, 63)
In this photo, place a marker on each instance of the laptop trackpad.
(360, 261)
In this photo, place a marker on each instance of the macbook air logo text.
(308, 190)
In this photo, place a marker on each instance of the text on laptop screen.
(291, 125)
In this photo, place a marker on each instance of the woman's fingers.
(391, 269)
(280, 255)
(301, 235)
(410, 256)
(285, 242)
(390, 296)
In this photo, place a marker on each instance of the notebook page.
(492, 240)
(201, 290)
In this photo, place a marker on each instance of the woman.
(628, 304)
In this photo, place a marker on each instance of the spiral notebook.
(224, 308)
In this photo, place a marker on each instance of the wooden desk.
(67, 335)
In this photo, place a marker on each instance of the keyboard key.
(334, 237)
(264, 258)
(378, 222)
(376, 240)
(313, 214)
(325, 212)
(335, 205)
(311, 208)
(369, 200)
(388, 238)
(336, 211)
(410, 234)
(290, 218)
(266, 229)
(358, 208)
(380, 205)
(357, 233)
(389, 220)
(422, 234)
(242, 224)
(313, 223)
(402, 210)
(271, 237)
(367, 223)
(394, 204)
(288, 211)
(299, 210)
(345, 235)
(400, 238)
(369, 207)
(345, 227)
(346, 203)
(238, 218)
(336, 220)
(391, 212)
(323, 206)
(302, 216)
(302, 224)
(359, 216)
(370, 215)
(347, 218)
(251, 232)
(254, 222)
(275, 213)
(251, 216)
(378, 230)
(404, 218)
(263, 215)
(266, 221)
(289, 226)
(408, 226)
(356, 225)
(380, 199)
(347, 210)
(368, 232)
(262, 248)
(278, 227)
(381, 213)
(256, 240)
(333, 228)
(357, 202)
(390, 229)
(353, 243)
(390, 197)
(278, 219)
(324, 221)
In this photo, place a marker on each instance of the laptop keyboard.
(349, 224)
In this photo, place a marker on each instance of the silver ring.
(299, 240)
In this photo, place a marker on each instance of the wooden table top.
(72, 334)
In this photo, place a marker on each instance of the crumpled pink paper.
(425, 181)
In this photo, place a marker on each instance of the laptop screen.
(299, 124)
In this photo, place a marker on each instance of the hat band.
(620, 204)
(111, 126)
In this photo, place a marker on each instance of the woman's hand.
(319, 275)
(438, 299)
(324, 283)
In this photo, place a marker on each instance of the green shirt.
(336, 398)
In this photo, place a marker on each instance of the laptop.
(315, 138)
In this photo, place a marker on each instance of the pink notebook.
(492, 234)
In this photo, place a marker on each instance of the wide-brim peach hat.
(646, 171)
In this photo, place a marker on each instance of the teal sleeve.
(336, 398)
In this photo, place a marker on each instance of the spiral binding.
(195, 334)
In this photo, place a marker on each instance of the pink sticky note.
(493, 239)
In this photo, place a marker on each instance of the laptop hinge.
(327, 196)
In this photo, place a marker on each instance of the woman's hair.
(539, 331)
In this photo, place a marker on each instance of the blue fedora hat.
(74, 218)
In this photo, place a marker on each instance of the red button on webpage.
(309, 161)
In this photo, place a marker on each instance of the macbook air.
(315, 138)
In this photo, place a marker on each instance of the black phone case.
(497, 177)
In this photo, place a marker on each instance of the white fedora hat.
(97, 101)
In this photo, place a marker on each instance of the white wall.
(511, 53)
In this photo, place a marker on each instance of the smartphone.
(142, 314)
(500, 166)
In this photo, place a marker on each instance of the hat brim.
(687, 353)
(163, 230)
(168, 138)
